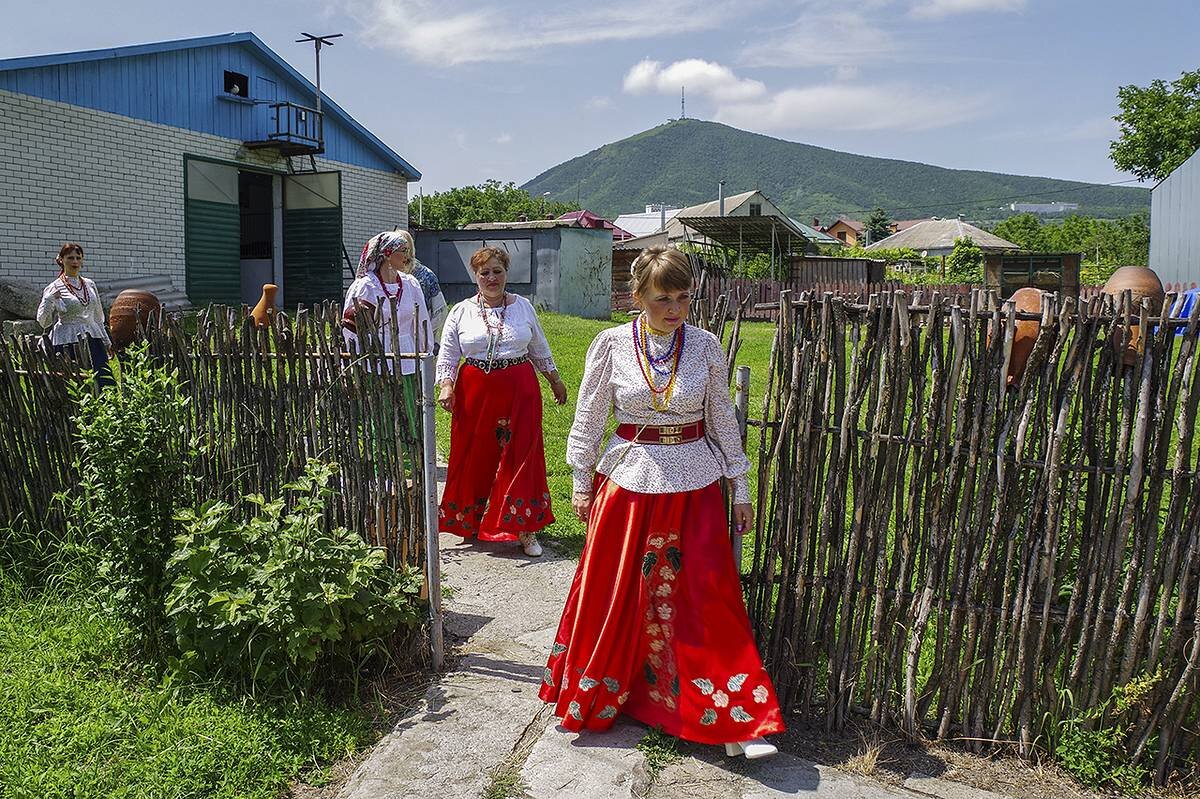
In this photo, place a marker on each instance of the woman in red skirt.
(496, 479)
(655, 625)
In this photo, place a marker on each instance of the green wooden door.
(212, 233)
(312, 238)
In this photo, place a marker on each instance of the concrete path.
(481, 730)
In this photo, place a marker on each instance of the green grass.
(79, 718)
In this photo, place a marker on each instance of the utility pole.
(317, 42)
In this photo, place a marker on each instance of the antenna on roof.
(317, 42)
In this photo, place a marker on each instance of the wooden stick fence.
(958, 557)
(262, 402)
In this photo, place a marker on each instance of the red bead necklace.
(82, 294)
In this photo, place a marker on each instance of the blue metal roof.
(140, 81)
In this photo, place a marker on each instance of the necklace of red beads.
(80, 292)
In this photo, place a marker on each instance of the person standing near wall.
(70, 307)
(435, 300)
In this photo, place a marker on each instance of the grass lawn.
(569, 339)
(80, 718)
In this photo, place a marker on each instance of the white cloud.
(840, 39)
(846, 107)
(945, 8)
(503, 138)
(462, 32)
(599, 104)
(704, 78)
(835, 106)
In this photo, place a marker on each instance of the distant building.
(199, 164)
(588, 219)
(1045, 209)
(1174, 231)
(846, 230)
(936, 237)
(652, 220)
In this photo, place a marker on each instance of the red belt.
(662, 434)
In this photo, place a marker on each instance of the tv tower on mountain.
(682, 104)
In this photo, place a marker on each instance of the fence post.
(741, 405)
(433, 566)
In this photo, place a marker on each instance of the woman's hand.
(743, 517)
(582, 505)
(559, 388)
(446, 396)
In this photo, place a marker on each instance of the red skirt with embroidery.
(496, 479)
(655, 626)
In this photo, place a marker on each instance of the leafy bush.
(965, 262)
(282, 599)
(1092, 746)
(133, 463)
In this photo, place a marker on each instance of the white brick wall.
(115, 185)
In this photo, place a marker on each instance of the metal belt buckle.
(670, 434)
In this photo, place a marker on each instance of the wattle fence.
(950, 554)
(262, 401)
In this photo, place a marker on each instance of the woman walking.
(496, 479)
(383, 276)
(70, 307)
(655, 625)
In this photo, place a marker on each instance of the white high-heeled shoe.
(753, 749)
(530, 545)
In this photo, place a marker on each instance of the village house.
(201, 168)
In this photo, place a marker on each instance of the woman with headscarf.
(385, 288)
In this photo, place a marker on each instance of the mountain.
(679, 163)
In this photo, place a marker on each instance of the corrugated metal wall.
(1175, 225)
(180, 88)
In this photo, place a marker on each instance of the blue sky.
(504, 89)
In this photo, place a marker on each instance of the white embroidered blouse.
(613, 382)
(411, 318)
(70, 318)
(466, 336)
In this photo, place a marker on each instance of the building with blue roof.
(201, 161)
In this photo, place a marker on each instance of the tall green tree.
(1160, 126)
(877, 226)
(965, 262)
(490, 201)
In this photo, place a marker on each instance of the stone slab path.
(481, 729)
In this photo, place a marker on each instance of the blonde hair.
(664, 268)
(412, 250)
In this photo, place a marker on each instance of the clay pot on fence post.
(131, 310)
(1141, 282)
(1025, 300)
(264, 312)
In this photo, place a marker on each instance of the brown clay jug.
(1141, 281)
(1027, 300)
(132, 308)
(264, 312)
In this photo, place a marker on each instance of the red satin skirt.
(655, 625)
(496, 479)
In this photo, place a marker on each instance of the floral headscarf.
(377, 249)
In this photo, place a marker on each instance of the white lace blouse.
(466, 336)
(411, 318)
(613, 382)
(70, 318)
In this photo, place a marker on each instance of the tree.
(491, 201)
(1160, 126)
(965, 263)
(1024, 230)
(877, 226)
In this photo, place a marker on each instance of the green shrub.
(965, 262)
(133, 465)
(281, 598)
(1092, 746)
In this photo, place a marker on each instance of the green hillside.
(680, 163)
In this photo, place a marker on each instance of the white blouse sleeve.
(591, 413)
(49, 307)
(721, 425)
(539, 347)
(451, 350)
(96, 311)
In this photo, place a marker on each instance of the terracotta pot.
(1141, 282)
(264, 312)
(131, 309)
(1027, 300)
